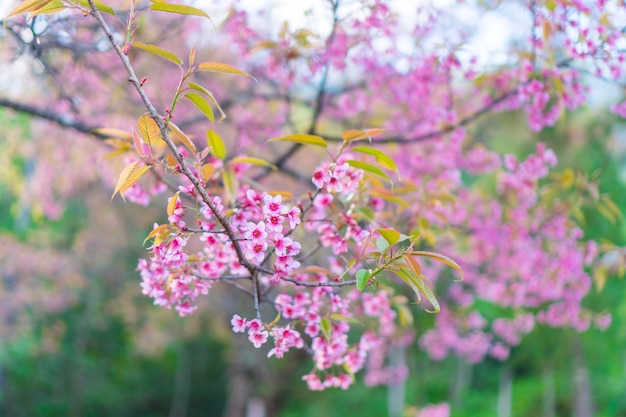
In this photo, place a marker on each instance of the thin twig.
(320, 284)
(190, 229)
(257, 291)
(240, 288)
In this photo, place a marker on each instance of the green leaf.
(606, 213)
(405, 317)
(418, 284)
(254, 161)
(441, 258)
(54, 6)
(222, 68)
(28, 6)
(341, 317)
(99, 5)
(381, 244)
(382, 158)
(327, 328)
(369, 168)
(303, 139)
(612, 207)
(231, 186)
(362, 277)
(390, 197)
(275, 321)
(163, 53)
(178, 9)
(429, 294)
(210, 96)
(202, 105)
(391, 236)
(215, 142)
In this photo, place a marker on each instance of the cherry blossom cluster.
(519, 249)
(261, 220)
(324, 317)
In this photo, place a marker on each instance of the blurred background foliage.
(80, 340)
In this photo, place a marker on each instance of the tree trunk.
(549, 401)
(182, 383)
(505, 391)
(463, 378)
(583, 405)
(396, 391)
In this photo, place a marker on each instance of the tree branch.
(66, 121)
(320, 284)
(185, 169)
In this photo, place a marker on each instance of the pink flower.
(256, 251)
(239, 324)
(499, 351)
(256, 231)
(272, 205)
(274, 223)
(254, 197)
(294, 217)
(258, 338)
(282, 244)
(321, 177)
(185, 309)
(254, 326)
(313, 382)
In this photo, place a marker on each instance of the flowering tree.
(334, 174)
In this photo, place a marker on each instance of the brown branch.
(184, 167)
(66, 121)
(320, 284)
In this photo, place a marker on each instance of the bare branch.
(66, 121)
(320, 284)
